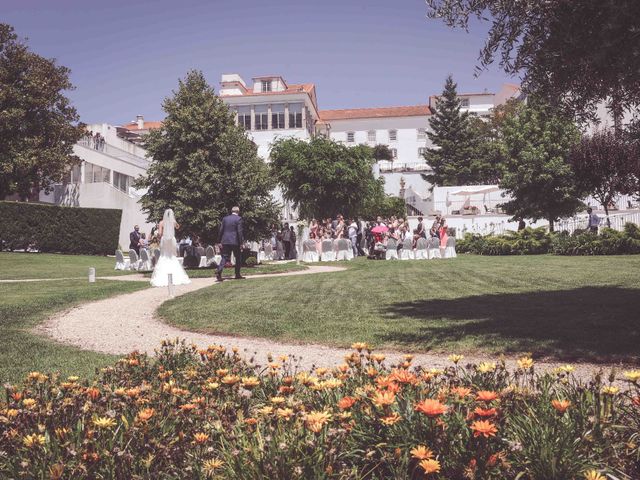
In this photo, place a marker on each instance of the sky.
(127, 56)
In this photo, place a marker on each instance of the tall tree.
(575, 54)
(605, 165)
(451, 134)
(203, 164)
(538, 174)
(38, 124)
(323, 178)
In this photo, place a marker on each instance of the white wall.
(265, 138)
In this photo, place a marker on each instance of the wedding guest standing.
(134, 239)
(231, 237)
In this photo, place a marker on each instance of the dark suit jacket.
(231, 230)
(134, 239)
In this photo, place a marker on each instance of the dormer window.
(351, 137)
(393, 135)
(266, 86)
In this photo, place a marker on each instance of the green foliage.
(50, 228)
(203, 164)
(531, 241)
(574, 54)
(323, 178)
(251, 262)
(37, 130)
(211, 414)
(452, 135)
(538, 174)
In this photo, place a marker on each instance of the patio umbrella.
(380, 229)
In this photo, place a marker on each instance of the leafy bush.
(251, 261)
(532, 241)
(209, 414)
(50, 228)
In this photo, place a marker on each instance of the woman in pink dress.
(443, 233)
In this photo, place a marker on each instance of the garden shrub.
(251, 262)
(191, 413)
(533, 241)
(51, 228)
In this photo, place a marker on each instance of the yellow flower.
(408, 357)
(455, 358)
(284, 413)
(391, 419)
(145, 414)
(250, 382)
(378, 357)
(267, 410)
(11, 412)
(632, 375)
(230, 379)
(73, 378)
(104, 422)
(565, 369)
(430, 466)
(610, 390)
(383, 398)
(29, 402)
(421, 453)
(200, 438)
(315, 420)
(486, 367)
(211, 386)
(359, 346)
(210, 466)
(34, 440)
(593, 475)
(221, 372)
(277, 400)
(525, 363)
(321, 371)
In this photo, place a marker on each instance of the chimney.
(140, 122)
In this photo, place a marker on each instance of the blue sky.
(125, 57)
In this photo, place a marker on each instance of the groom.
(231, 238)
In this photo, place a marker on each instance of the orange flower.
(561, 405)
(187, 407)
(421, 453)
(250, 421)
(461, 391)
(485, 412)
(483, 428)
(391, 419)
(145, 414)
(636, 401)
(346, 403)
(93, 393)
(200, 438)
(431, 408)
(383, 399)
(430, 466)
(230, 379)
(486, 396)
(403, 376)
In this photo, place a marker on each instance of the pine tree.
(203, 164)
(452, 137)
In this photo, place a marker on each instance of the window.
(75, 174)
(351, 137)
(261, 118)
(277, 120)
(394, 153)
(393, 135)
(295, 119)
(422, 133)
(95, 174)
(371, 135)
(244, 120)
(464, 102)
(121, 181)
(266, 85)
(422, 151)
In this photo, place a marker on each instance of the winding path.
(121, 324)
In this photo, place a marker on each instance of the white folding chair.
(121, 262)
(134, 263)
(156, 256)
(407, 250)
(209, 254)
(434, 248)
(392, 250)
(309, 252)
(145, 260)
(328, 253)
(421, 249)
(342, 249)
(450, 249)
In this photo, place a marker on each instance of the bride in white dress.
(168, 262)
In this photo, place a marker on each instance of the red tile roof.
(147, 125)
(410, 111)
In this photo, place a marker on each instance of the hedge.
(532, 241)
(51, 228)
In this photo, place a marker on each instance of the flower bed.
(209, 414)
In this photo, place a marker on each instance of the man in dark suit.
(231, 238)
(134, 239)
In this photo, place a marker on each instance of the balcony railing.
(387, 167)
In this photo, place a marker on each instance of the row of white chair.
(426, 249)
(147, 260)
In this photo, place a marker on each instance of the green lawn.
(24, 305)
(578, 308)
(15, 266)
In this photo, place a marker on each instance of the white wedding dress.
(168, 262)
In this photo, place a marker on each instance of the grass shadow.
(590, 323)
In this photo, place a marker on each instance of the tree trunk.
(606, 212)
(616, 112)
(551, 225)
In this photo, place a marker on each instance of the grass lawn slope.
(574, 308)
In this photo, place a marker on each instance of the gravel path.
(121, 324)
